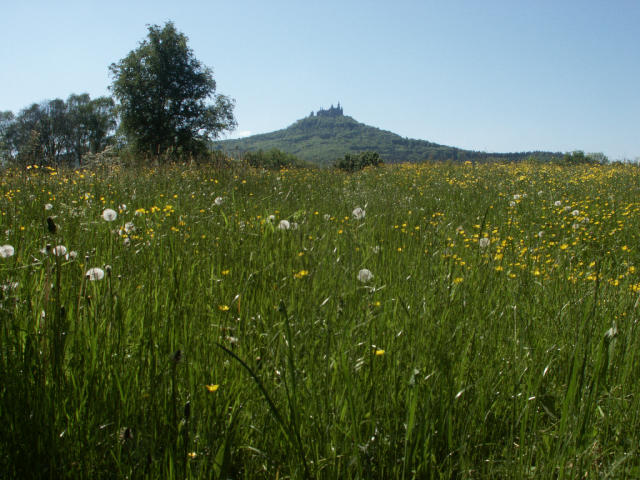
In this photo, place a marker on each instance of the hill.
(328, 135)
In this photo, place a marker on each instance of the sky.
(490, 75)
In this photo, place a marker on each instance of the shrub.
(273, 159)
(352, 162)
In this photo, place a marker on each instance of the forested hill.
(323, 137)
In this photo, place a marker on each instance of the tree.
(162, 91)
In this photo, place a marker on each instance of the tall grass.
(220, 344)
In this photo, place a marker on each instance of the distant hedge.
(273, 159)
(352, 162)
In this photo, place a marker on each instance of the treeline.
(57, 132)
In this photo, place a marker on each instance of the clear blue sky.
(488, 75)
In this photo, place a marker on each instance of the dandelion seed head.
(484, 242)
(48, 206)
(59, 250)
(358, 213)
(109, 214)
(6, 251)
(284, 225)
(557, 203)
(218, 201)
(365, 275)
(94, 274)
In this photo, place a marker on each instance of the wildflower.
(122, 207)
(284, 225)
(378, 352)
(218, 201)
(557, 203)
(301, 274)
(575, 213)
(223, 308)
(326, 217)
(512, 203)
(484, 242)
(358, 213)
(212, 388)
(73, 255)
(59, 250)
(271, 218)
(129, 227)
(48, 206)
(94, 273)
(458, 280)
(365, 275)
(109, 214)
(6, 251)
(516, 197)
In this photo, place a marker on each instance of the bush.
(273, 159)
(352, 162)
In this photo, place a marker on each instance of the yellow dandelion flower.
(379, 352)
(212, 388)
(223, 308)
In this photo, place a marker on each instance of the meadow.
(410, 321)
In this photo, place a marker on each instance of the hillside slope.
(327, 136)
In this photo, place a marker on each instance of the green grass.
(220, 346)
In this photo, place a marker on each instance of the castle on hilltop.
(330, 112)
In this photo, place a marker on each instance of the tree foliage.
(163, 91)
(352, 162)
(56, 132)
(273, 159)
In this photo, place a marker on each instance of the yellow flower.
(212, 388)
(379, 352)
(223, 308)
(225, 272)
(301, 274)
(458, 280)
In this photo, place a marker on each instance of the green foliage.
(354, 162)
(56, 132)
(320, 138)
(163, 90)
(273, 159)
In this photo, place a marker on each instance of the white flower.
(129, 227)
(94, 273)
(484, 242)
(575, 213)
(73, 254)
(326, 217)
(540, 233)
(376, 249)
(127, 242)
(557, 203)
(294, 226)
(218, 201)
(575, 225)
(567, 208)
(358, 213)
(271, 218)
(122, 207)
(284, 225)
(109, 214)
(512, 203)
(48, 206)
(516, 197)
(60, 250)
(6, 251)
(365, 275)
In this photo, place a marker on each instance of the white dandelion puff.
(59, 250)
(284, 225)
(365, 275)
(129, 227)
(516, 197)
(557, 203)
(94, 273)
(575, 213)
(109, 214)
(48, 206)
(512, 203)
(218, 201)
(326, 217)
(6, 251)
(358, 213)
(484, 242)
